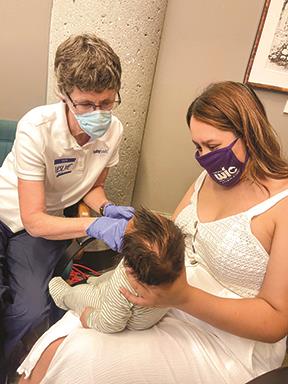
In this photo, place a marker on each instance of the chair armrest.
(84, 210)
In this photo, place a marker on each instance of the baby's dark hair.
(154, 248)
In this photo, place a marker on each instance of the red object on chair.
(81, 272)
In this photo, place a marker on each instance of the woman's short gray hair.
(88, 63)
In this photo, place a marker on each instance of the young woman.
(231, 307)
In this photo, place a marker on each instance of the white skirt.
(180, 349)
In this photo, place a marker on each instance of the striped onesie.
(112, 311)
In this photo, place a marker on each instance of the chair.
(7, 136)
(90, 252)
(277, 376)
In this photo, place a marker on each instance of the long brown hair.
(235, 107)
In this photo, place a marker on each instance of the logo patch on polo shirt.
(64, 165)
(100, 151)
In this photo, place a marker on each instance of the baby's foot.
(58, 288)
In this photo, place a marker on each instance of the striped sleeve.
(114, 309)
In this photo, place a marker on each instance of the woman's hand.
(110, 230)
(164, 295)
(118, 211)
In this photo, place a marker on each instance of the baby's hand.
(84, 316)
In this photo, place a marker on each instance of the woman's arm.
(255, 318)
(40, 224)
(96, 197)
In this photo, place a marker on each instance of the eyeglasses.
(106, 105)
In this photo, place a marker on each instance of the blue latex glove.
(118, 211)
(110, 230)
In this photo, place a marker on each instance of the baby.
(153, 247)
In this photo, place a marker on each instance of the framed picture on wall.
(268, 62)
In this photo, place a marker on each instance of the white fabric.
(180, 348)
(61, 328)
(44, 149)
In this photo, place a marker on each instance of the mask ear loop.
(233, 142)
(246, 150)
(246, 156)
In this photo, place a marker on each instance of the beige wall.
(202, 41)
(24, 34)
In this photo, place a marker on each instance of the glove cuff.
(103, 206)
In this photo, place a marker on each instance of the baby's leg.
(78, 297)
(81, 296)
(75, 298)
(57, 289)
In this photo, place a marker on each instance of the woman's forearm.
(251, 318)
(57, 228)
(95, 198)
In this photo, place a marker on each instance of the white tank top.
(227, 248)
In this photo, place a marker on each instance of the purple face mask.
(222, 165)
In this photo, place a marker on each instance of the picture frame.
(268, 63)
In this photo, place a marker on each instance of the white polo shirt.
(44, 149)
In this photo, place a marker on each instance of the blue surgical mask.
(95, 124)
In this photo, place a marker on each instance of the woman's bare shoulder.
(277, 185)
(280, 210)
